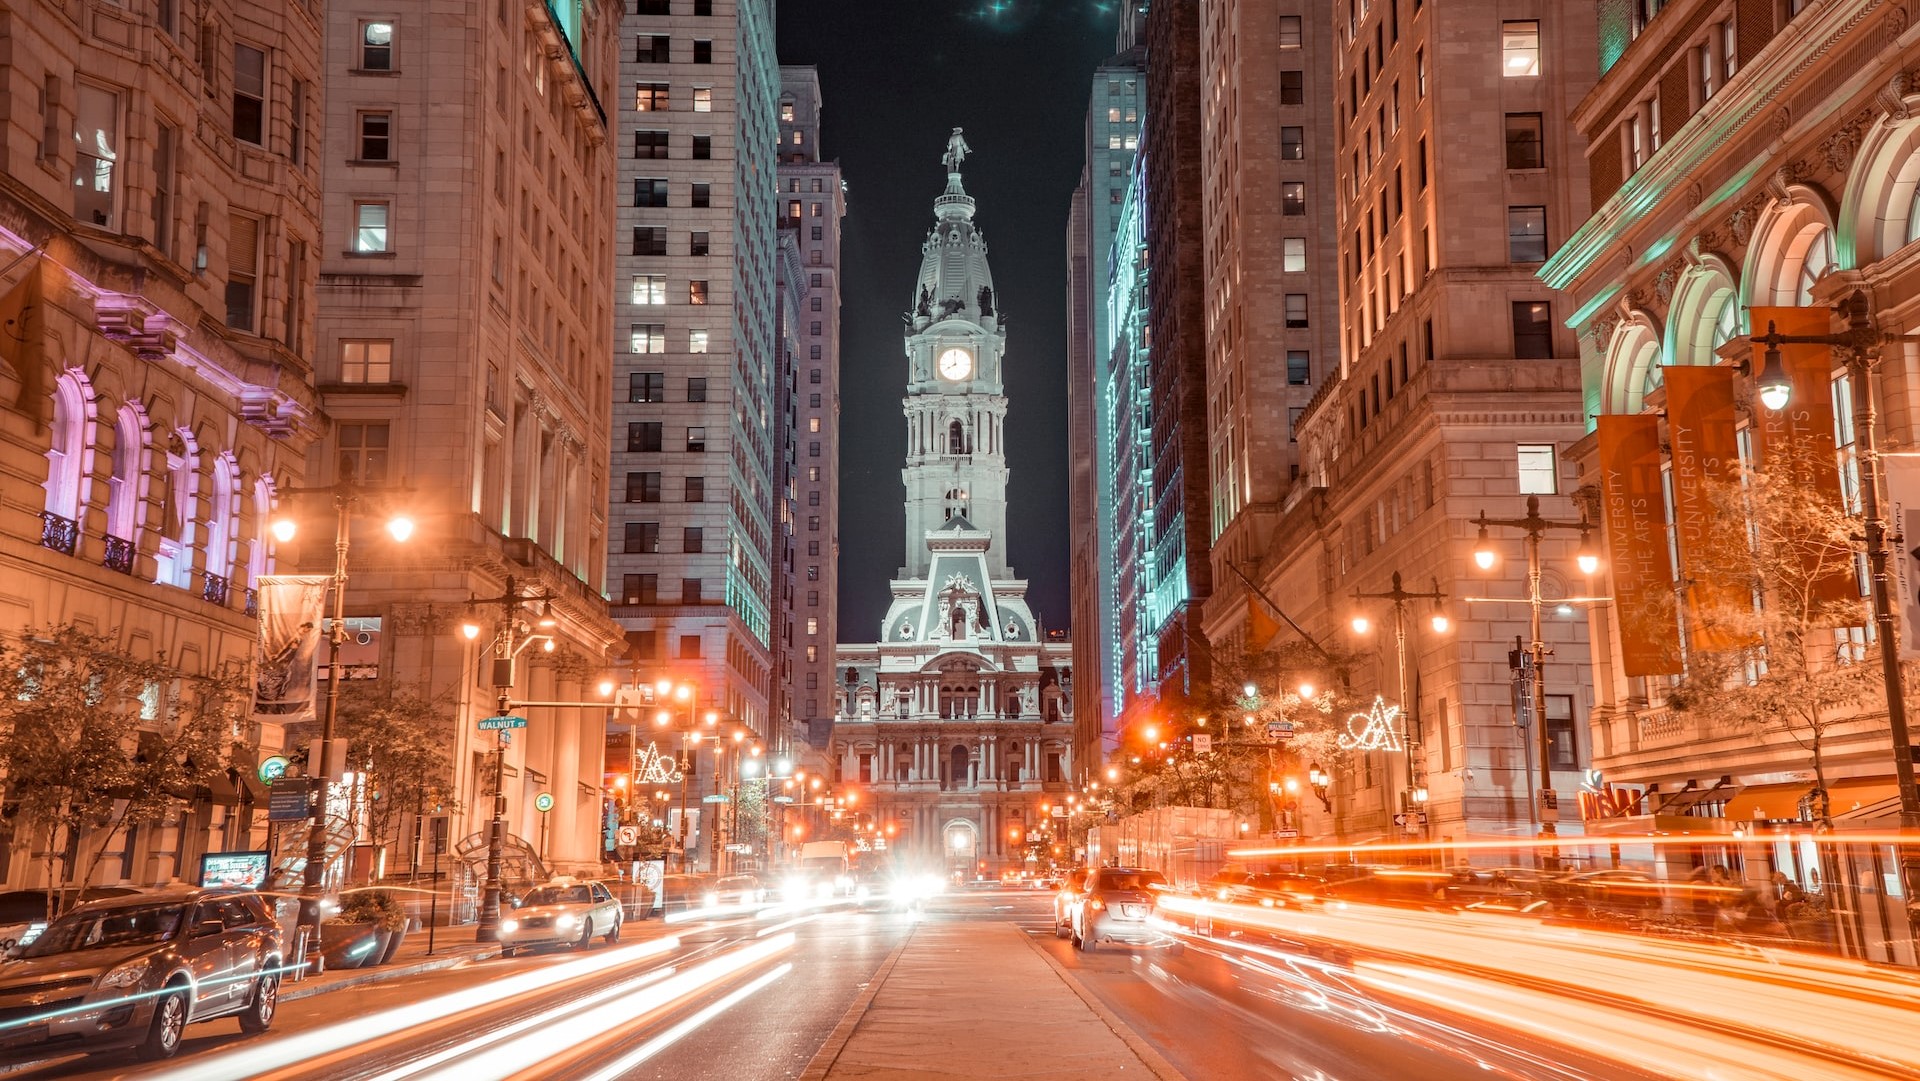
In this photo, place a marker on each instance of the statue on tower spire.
(957, 151)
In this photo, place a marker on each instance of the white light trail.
(680, 1031)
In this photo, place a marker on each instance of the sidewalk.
(451, 946)
(930, 1003)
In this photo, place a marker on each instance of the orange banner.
(1799, 438)
(1634, 514)
(1705, 455)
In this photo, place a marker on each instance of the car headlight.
(825, 889)
(564, 922)
(861, 893)
(126, 975)
(841, 882)
(710, 899)
(509, 926)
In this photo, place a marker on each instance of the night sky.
(896, 76)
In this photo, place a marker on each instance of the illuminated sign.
(653, 769)
(1376, 732)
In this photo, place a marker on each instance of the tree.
(93, 740)
(399, 740)
(1769, 645)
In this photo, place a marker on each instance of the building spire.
(954, 204)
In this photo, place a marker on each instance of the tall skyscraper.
(1112, 140)
(1457, 395)
(811, 203)
(1178, 573)
(1267, 204)
(693, 413)
(462, 333)
(953, 727)
(159, 229)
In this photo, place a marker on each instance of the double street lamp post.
(346, 496)
(1546, 806)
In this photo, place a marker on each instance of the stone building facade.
(692, 519)
(1743, 156)
(463, 340)
(159, 232)
(813, 200)
(955, 727)
(1457, 395)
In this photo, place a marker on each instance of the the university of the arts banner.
(1797, 441)
(1704, 454)
(1901, 475)
(1634, 514)
(290, 607)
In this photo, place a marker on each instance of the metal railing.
(58, 533)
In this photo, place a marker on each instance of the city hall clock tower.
(955, 404)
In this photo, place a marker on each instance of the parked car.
(134, 971)
(1065, 897)
(23, 913)
(1491, 888)
(562, 911)
(1117, 905)
(1279, 889)
(1402, 886)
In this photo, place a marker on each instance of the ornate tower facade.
(955, 728)
(955, 404)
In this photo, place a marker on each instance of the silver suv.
(135, 971)
(1117, 905)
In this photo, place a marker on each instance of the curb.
(301, 989)
(1153, 1060)
(822, 1062)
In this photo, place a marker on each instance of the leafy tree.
(400, 739)
(93, 740)
(1767, 645)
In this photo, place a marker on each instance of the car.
(737, 890)
(1118, 905)
(135, 971)
(1280, 889)
(1490, 889)
(1404, 887)
(23, 913)
(1612, 894)
(1064, 898)
(564, 911)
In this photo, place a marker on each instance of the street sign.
(495, 724)
(1286, 834)
(1059, 811)
(272, 768)
(629, 835)
(783, 799)
(741, 849)
(287, 800)
(1280, 730)
(713, 799)
(1411, 821)
(543, 802)
(1202, 743)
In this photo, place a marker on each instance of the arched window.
(956, 438)
(1815, 263)
(1792, 248)
(259, 549)
(177, 523)
(957, 759)
(129, 465)
(1633, 365)
(221, 532)
(69, 454)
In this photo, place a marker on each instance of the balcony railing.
(58, 533)
(214, 590)
(119, 555)
(253, 604)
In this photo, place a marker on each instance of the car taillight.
(1095, 903)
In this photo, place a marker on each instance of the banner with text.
(290, 607)
(1798, 441)
(1901, 473)
(1705, 461)
(1634, 515)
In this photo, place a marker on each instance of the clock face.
(956, 364)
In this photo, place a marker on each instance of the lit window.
(1293, 254)
(786, 111)
(376, 46)
(649, 289)
(1527, 234)
(366, 361)
(648, 338)
(1538, 475)
(697, 341)
(96, 138)
(370, 227)
(1520, 48)
(813, 625)
(702, 99)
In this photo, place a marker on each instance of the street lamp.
(1859, 345)
(1320, 781)
(1535, 527)
(1398, 596)
(346, 495)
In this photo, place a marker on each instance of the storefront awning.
(1781, 802)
